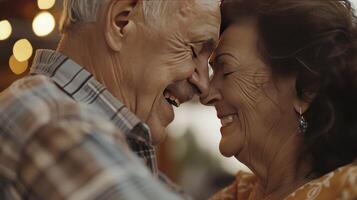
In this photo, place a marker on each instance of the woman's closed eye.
(227, 65)
(225, 74)
(227, 70)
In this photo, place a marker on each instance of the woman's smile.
(227, 119)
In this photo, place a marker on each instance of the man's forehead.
(209, 13)
(208, 4)
(206, 21)
(206, 30)
(212, 6)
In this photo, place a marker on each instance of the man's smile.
(171, 98)
(179, 93)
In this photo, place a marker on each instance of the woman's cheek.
(239, 92)
(231, 93)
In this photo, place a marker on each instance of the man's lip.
(182, 91)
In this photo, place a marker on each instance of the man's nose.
(213, 96)
(200, 78)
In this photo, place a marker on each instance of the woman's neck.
(281, 171)
(278, 190)
(280, 180)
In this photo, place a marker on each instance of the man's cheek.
(183, 70)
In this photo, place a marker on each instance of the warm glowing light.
(43, 24)
(22, 50)
(5, 29)
(45, 4)
(16, 66)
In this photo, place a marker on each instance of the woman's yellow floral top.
(340, 184)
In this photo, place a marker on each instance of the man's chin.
(158, 121)
(158, 131)
(158, 135)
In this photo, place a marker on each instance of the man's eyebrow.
(207, 43)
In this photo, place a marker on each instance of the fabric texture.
(340, 184)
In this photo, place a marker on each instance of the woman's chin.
(228, 150)
(232, 140)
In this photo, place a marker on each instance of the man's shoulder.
(33, 101)
(32, 92)
(31, 85)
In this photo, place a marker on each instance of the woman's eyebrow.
(218, 59)
(220, 55)
(223, 54)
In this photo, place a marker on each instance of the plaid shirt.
(64, 136)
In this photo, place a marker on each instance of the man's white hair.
(87, 11)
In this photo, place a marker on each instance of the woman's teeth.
(227, 120)
(171, 99)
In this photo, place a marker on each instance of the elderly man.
(69, 130)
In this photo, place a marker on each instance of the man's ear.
(118, 22)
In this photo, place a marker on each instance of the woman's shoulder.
(239, 189)
(338, 184)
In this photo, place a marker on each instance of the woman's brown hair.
(317, 41)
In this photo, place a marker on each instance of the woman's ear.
(302, 103)
(118, 22)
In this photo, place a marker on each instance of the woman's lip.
(220, 116)
(228, 119)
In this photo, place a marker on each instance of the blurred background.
(190, 155)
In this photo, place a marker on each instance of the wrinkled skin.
(258, 111)
(175, 58)
(137, 62)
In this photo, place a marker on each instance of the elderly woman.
(285, 90)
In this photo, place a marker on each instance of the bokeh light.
(5, 29)
(22, 50)
(45, 4)
(43, 24)
(16, 66)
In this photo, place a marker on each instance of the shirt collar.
(79, 84)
